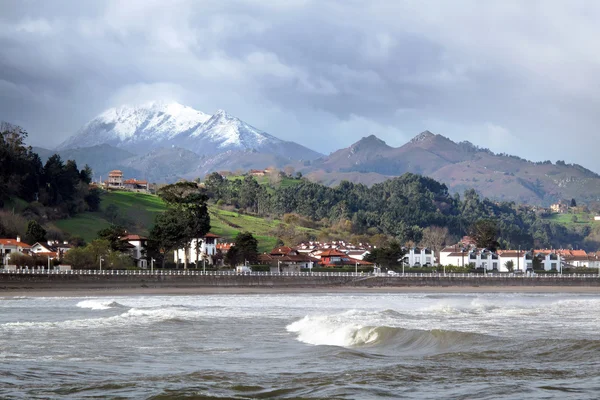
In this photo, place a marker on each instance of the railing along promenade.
(195, 273)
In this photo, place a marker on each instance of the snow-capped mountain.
(138, 128)
(144, 128)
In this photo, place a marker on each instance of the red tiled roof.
(281, 250)
(133, 237)
(211, 235)
(13, 242)
(332, 253)
(134, 182)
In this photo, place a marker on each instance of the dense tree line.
(402, 208)
(59, 186)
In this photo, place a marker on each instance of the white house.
(549, 260)
(359, 254)
(454, 255)
(417, 257)
(517, 257)
(11, 246)
(137, 245)
(207, 248)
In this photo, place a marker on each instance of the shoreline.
(203, 290)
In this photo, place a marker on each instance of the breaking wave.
(335, 331)
(97, 304)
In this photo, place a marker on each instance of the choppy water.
(422, 346)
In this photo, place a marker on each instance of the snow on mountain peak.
(143, 128)
(228, 131)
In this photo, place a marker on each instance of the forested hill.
(53, 190)
(401, 208)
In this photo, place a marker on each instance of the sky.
(519, 77)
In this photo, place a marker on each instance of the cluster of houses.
(308, 255)
(55, 250)
(116, 181)
(51, 250)
(283, 258)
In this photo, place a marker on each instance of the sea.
(302, 346)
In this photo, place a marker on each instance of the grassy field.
(141, 210)
(567, 219)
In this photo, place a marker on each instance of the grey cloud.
(512, 74)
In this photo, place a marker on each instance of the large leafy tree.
(388, 256)
(189, 203)
(113, 235)
(245, 249)
(485, 234)
(167, 234)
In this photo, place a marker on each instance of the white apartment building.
(417, 257)
(207, 247)
(484, 259)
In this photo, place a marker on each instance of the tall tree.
(434, 237)
(245, 248)
(388, 256)
(113, 235)
(35, 232)
(167, 234)
(189, 202)
(485, 234)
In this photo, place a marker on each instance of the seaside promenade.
(44, 279)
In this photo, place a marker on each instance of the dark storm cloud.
(514, 76)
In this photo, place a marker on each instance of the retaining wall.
(45, 281)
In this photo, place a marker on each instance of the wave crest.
(98, 304)
(329, 330)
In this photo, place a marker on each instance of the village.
(334, 255)
(210, 250)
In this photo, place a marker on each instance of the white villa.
(137, 245)
(484, 259)
(207, 246)
(11, 246)
(417, 257)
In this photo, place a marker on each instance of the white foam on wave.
(98, 304)
(351, 328)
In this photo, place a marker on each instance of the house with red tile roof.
(286, 259)
(115, 179)
(137, 248)
(12, 246)
(336, 258)
(135, 185)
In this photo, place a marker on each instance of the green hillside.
(581, 219)
(140, 210)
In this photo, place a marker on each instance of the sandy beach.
(190, 291)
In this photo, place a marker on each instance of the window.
(553, 265)
(495, 266)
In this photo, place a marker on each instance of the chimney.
(18, 238)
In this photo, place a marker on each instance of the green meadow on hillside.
(567, 219)
(141, 210)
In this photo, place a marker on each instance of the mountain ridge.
(460, 166)
(143, 128)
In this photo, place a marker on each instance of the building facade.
(207, 249)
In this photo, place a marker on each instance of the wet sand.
(187, 291)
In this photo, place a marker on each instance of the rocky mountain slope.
(461, 166)
(151, 126)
